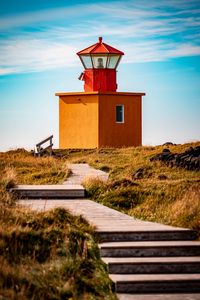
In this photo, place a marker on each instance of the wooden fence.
(39, 149)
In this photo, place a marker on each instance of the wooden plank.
(44, 141)
(43, 149)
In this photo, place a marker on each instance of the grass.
(53, 255)
(174, 200)
(45, 255)
(31, 170)
(49, 255)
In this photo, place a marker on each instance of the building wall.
(78, 121)
(112, 134)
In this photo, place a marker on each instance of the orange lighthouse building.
(100, 116)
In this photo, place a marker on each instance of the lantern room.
(100, 62)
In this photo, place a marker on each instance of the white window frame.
(122, 106)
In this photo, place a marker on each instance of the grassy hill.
(53, 255)
(145, 189)
(45, 255)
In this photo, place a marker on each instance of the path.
(142, 257)
(108, 221)
(70, 189)
(83, 171)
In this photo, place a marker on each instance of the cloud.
(144, 31)
(6, 70)
(44, 15)
(114, 9)
(19, 56)
(27, 55)
(140, 52)
(184, 50)
(127, 10)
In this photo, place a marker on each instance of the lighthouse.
(100, 116)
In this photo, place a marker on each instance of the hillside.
(148, 189)
(45, 255)
(53, 255)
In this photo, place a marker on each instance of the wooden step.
(156, 283)
(150, 248)
(152, 265)
(49, 191)
(147, 235)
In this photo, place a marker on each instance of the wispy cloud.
(41, 16)
(27, 55)
(145, 31)
(157, 51)
(184, 50)
(6, 70)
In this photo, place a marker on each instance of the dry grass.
(53, 255)
(8, 177)
(49, 255)
(187, 207)
(45, 255)
(173, 200)
(32, 170)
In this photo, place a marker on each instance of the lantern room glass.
(113, 61)
(86, 61)
(97, 61)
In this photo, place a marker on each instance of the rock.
(142, 172)
(166, 155)
(104, 168)
(124, 182)
(162, 177)
(166, 150)
(138, 175)
(169, 144)
(190, 159)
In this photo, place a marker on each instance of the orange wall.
(112, 134)
(78, 121)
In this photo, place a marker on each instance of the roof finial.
(100, 39)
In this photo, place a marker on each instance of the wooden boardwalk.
(82, 171)
(103, 218)
(50, 191)
(145, 260)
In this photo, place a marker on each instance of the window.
(86, 60)
(99, 62)
(113, 61)
(120, 113)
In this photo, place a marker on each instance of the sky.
(38, 45)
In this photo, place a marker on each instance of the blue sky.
(38, 45)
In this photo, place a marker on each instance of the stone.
(169, 144)
(124, 182)
(190, 159)
(142, 172)
(162, 177)
(166, 150)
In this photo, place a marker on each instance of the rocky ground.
(190, 159)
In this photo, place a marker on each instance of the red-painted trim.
(100, 48)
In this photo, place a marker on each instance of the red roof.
(100, 48)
